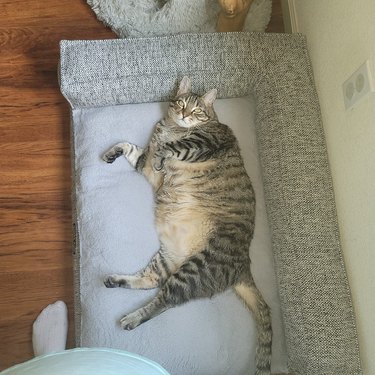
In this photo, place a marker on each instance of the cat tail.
(249, 293)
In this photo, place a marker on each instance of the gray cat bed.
(129, 18)
(103, 82)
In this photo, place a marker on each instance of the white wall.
(341, 36)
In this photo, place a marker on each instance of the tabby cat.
(205, 213)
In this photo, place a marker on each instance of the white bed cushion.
(116, 234)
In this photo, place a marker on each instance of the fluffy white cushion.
(117, 235)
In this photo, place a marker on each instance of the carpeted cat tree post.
(232, 15)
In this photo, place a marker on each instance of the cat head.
(189, 109)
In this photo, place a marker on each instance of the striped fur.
(205, 215)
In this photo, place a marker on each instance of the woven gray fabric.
(315, 297)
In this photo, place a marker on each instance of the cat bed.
(87, 361)
(129, 18)
(117, 235)
(117, 91)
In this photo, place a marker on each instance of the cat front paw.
(111, 155)
(131, 321)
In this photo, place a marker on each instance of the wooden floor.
(35, 182)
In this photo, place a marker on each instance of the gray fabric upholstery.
(315, 297)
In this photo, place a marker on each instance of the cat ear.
(185, 86)
(209, 97)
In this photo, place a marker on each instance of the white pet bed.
(104, 81)
(115, 223)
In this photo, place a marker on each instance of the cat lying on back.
(205, 215)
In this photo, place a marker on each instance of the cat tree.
(142, 18)
(232, 15)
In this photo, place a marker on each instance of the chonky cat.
(204, 215)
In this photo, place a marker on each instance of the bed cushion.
(117, 235)
(314, 293)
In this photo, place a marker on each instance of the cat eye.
(181, 103)
(197, 110)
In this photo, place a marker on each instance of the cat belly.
(182, 231)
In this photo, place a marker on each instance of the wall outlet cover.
(359, 85)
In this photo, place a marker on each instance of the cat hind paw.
(112, 281)
(113, 154)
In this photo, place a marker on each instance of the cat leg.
(248, 292)
(196, 278)
(130, 151)
(152, 276)
(138, 158)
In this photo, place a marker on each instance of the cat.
(204, 214)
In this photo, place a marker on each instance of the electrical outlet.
(358, 86)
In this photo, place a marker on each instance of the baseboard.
(289, 16)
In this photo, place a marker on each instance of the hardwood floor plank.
(29, 75)
(35, 130)
(44, 149)
(67, 13)
(54, 200)
(21, 174)
(58, 280)
(15, 236)
(27, 101)
(24, 43)
(48, 255)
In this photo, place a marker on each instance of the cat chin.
(183, 124)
